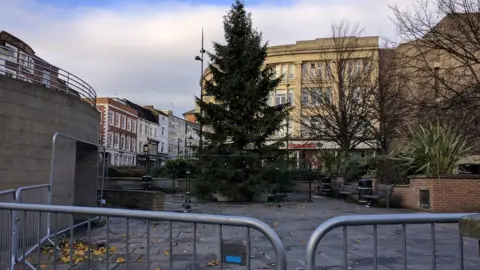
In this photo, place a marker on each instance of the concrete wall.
(29, 116)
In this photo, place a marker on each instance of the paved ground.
(293, 222)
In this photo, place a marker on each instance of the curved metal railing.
(30, 68)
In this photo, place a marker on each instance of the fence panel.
(6, 230)
(153, 240)
(31, 226)
(391, 219)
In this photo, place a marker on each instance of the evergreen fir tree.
(240, 120)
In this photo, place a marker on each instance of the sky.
(144, 50)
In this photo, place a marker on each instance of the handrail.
(30, 68)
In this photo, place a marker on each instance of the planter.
(449, 193)
(260, 196)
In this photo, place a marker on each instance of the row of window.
(322, 68)
(121, 142)
(118, 159)
(311, 97)
(122, 121)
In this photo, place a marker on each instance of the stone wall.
(457, 193)
(136, 199)
(30, 114)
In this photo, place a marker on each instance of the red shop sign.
(303, 146)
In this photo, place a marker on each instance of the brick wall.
(457, 194)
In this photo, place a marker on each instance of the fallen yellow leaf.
(120, 260)
(43, 266)
(158, 268)
(113, 249)
(166, 252)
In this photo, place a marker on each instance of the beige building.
(297, 62)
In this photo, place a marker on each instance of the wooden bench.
(348, 190)
(381, 191)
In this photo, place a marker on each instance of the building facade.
(148, 134)
(118, 131)
(182, 136)
(162, 119)
(296, 62)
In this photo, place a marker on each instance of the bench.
(381, 191)
(348, 190)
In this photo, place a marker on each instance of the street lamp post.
(145, 151)
(186, 204)
(200, 58)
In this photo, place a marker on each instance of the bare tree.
(442, 52)
(390, 107)
(336, 92)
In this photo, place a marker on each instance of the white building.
(182, 136)
(148, 133)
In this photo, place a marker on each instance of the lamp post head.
(198, 58)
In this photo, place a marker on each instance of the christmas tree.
(239, 121)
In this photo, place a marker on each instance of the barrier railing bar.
(234, 221)
(388, 219)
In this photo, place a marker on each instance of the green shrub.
(354, 168)
(433, 150)
(126, 171)
(391, 171)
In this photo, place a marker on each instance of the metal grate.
(424, 198)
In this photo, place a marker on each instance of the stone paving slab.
(294, 223)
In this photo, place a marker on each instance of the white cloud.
(146, 52)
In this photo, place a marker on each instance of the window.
(134, 126)
(356, 94)
(163, 131)
(146, 130)
(290, 96)
(12, 52)
(280, 98)
(124, 120)
(129, 141)
(316, 97)
(162, 145)
(291, 71)
(319, 69)
(129, 124)
(327, 94)
(151, 131)
(117, 119)
(140, 147)
(316, 123)
(358, 67)
(110, 118)
(312, 69)
(305, 69)
(154, 133)
(122, 142)
(110, 139)
(328, 69)
(117, 140)
(46, 78)
(141, 128)
(305, 97)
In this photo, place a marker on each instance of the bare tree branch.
(442, 51)
(337, 92)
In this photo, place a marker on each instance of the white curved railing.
(33, 69)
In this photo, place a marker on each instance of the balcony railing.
(30, 68)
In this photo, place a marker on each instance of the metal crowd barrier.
(374, 221)
(6, 229)
(148, 218)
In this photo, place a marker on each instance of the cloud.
(145, 51)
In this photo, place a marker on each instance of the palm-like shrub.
(433, 149)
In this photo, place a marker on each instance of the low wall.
(135, 183)
(456, 193)
(137, 199)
